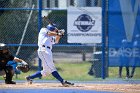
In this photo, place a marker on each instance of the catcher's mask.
(51, 27)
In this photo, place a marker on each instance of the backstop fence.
(21, 20)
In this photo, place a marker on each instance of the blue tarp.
(124, 25)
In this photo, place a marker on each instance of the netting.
(20, 24)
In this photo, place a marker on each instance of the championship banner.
(124, 32)
(84, 25)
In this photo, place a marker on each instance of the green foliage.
(12, 26)
(75, 71)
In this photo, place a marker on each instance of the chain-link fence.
(20, 22)
(16, 26)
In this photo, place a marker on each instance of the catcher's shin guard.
(9, 75)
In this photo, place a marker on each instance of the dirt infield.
(124, 88)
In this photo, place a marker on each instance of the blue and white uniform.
(46, 38)
(45, 43)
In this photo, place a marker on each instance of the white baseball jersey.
(44, 39)
(45, 43)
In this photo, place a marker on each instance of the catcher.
(5, 57)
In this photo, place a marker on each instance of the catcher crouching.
(5, 57)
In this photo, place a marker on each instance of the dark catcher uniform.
(9, 71)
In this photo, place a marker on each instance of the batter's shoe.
(10, 82)
(131, 76)
(67, 84)
(30, 81)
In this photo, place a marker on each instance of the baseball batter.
(46, 38)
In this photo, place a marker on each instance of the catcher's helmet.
(3, 46)
(51, 27)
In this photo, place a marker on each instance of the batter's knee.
(44, 73)
(47, 71)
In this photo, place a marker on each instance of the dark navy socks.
(36, 75)
(57, 76)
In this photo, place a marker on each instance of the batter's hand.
(61, 32)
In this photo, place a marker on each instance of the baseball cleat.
(10, 82)
(67, 84)
(30, 81)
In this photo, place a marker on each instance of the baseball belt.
(47, 46)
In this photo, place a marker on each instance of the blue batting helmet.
(51, 27)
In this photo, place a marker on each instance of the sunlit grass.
(77, 71)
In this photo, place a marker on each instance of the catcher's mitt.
(23, 66)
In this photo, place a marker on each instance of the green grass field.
(77, 71)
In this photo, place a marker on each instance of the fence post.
(39, 26)
(103, 38)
